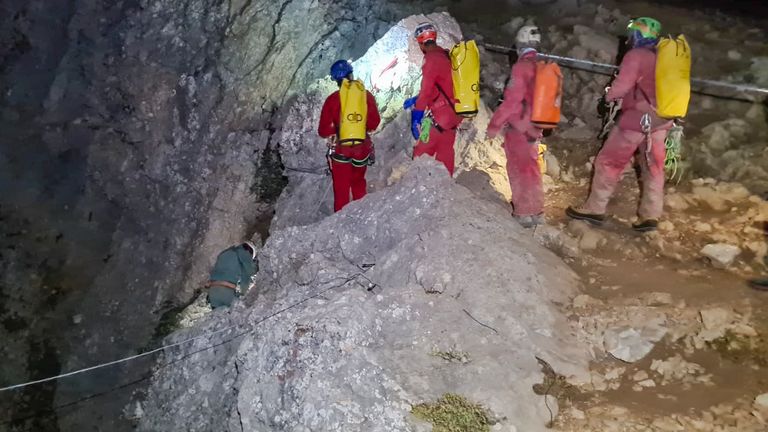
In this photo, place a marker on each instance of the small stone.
(742, 329)
(577, 414)
(598, 382)
(667, 424)
(614, 373)
(629, 344)
(553, 165)
(583, 300)
(666, 226)
(647, 383)
(77, 319)
(657, 299)
(640, 376)
(715, 318)
(734, 55)
(676, 202)
(702, 227)
(721, 255)
(761, 401)
(591, 240)
(577, 227)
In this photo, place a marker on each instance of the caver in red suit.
(520, 137)
(436, 95)
(348, 163)
(635, 85)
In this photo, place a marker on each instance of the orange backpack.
(547, 94)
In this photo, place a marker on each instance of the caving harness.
(331, 156)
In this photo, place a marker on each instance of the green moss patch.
(454, 413)
(742, 349)
(452, 356)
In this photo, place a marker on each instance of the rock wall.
(138, 142)
(453, 273)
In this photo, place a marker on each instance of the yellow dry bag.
(542, 151)
(673, 77)
(465, 62)
(354, 110)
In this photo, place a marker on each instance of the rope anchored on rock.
(189, 340)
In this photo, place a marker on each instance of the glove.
(410, 102)
(416, 118)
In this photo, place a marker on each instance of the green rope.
(426, 125)
(673, 146)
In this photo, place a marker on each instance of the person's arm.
(428, 92)
(626, 80)
(326, 126)
(512, 106)
(373, 118)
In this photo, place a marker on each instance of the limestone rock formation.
(451, 271)
(138, 140)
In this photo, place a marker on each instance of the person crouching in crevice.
(231, 275)
(346, 120)
(521, 137)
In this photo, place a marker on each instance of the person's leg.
(652, 195)
(359, 186)
(524, 174)
(425, 148)
(220, 296)
(444, 153)
(342, 179)
(609, 165)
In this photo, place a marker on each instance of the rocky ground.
(660, 330)
(675, 339)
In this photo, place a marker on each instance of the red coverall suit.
(520, 139)
(435, 72)
(636, 86)
(346, 176)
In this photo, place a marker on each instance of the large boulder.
(352, 312)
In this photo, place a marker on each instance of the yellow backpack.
(465, 62)
(354, 112)
(673, 77)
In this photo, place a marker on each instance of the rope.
(183, 342)
(426, 126)
(673, 146)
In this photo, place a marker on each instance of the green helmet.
(648, 28)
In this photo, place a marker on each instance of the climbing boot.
(594, 219)
(759, 284)
(646, 225)
(525, 221)
(530, 221)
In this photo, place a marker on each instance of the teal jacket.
(235, 266)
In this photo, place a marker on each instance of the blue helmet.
(340, 70)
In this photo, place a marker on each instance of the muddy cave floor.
(610, 281)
